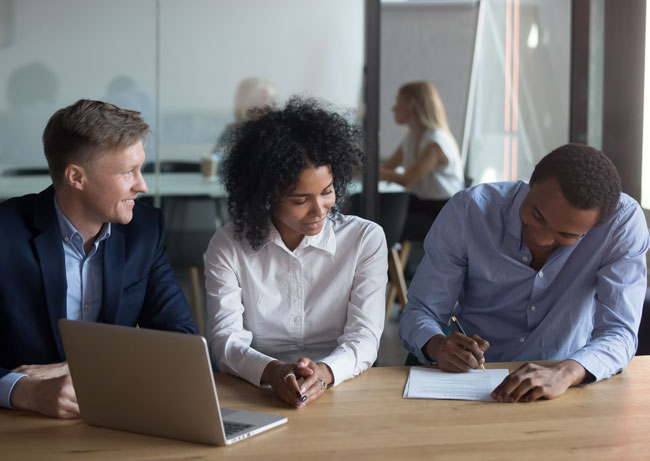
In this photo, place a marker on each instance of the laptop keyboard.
(232, 428)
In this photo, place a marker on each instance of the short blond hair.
(81, 132)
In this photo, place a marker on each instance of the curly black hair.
(265, 155)
(588, 179)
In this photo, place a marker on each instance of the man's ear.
(75, 176)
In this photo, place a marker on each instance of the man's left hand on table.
(531, 382)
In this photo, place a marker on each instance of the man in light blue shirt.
(554, 269)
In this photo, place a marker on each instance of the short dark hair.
(588, 179)
(265, 155)
(80, 132)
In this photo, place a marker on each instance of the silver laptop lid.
(147, 381)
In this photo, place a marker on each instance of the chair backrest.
(173, 166)
(392, 213)
(190, 222)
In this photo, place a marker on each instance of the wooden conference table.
(366, 418)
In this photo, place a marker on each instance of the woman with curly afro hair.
(295, 290)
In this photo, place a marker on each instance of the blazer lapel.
(52, 261)
(113, 268)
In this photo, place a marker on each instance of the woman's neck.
(290, 238)
(416, 128)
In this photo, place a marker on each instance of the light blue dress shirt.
(584, 304)
(83, 272)
(84, 284)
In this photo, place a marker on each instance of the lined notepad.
(430, 383)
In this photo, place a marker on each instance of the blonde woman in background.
(429, 154)
(252, 93)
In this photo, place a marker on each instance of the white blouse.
(443, 181)
(325, 300)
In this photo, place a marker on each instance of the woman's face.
(403, 109)
(303, 210)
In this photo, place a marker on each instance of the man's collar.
(68, 230)
(514, 221)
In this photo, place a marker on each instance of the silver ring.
(287, 375)
(322, 383)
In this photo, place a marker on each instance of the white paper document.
(430, 383)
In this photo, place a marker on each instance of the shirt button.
(296, 319)
(533, 308)
(86, 306)
(66, 239)
(525, 259)
(522, 339)
(541, 274)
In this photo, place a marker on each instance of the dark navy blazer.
(138, 283)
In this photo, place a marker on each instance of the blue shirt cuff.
(415, 337)
(421, 338)
(591, 363)
(7, 383)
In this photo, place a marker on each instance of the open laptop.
(152, 382)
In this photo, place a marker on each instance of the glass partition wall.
(501, 67)
(54, 53)
(179, 62)
(520, 99)
(191, 67)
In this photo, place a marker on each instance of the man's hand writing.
(456, 352)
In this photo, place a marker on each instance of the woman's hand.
(283, 378)
(317, 377)
(385, 173)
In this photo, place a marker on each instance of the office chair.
(407, 245)
(173, 166)
(392, 215)
(190, 223)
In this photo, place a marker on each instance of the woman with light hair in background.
(252, 93)
(433, 170)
